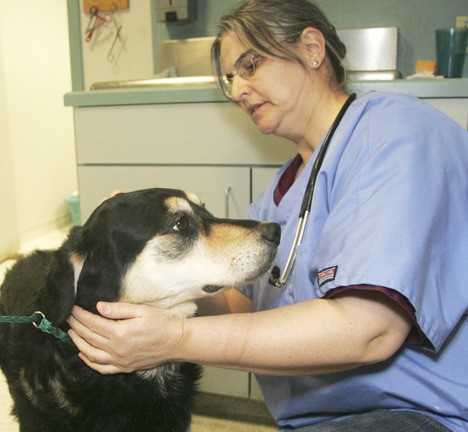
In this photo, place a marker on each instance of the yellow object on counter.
(426, 67)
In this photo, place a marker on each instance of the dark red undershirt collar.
(287, 179)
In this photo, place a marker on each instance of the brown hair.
(273, 28)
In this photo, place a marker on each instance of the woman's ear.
(314, 47)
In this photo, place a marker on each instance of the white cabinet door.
(261, 179)
(457, 109)
(220, 188)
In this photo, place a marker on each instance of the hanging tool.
(95, 21)
(118, 28)
(111, 56)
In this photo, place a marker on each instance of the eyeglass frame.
(246, 66)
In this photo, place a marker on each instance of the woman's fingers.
(85, 323)
(93, 354)
(87, 331)
(90, 333)
(95, 350)
(103, 369)
(119, 310)
(96, 329)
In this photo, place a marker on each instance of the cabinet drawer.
(210, 133)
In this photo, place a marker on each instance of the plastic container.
(450, 50)
(73, 201)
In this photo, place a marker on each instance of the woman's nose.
(239, 88)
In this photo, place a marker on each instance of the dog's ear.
(106, 243)
(99, 277)
(57, 300)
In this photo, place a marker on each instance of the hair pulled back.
(273, 28)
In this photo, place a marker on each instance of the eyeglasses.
(245, 67)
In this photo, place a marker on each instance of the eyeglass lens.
(245, 68)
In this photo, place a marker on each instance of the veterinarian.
(369, 331)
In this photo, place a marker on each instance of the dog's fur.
(155, 246)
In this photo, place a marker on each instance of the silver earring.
(315, 64)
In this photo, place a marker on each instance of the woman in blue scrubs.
(370, 331)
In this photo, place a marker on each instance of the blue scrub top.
(390, 209)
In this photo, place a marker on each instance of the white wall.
(39, 134)
(9, 234)
(133, 53)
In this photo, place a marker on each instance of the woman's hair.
(272, 28)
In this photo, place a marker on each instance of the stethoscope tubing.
(279, 279)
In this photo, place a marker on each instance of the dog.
(156, 246)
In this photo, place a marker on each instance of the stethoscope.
(277, 278)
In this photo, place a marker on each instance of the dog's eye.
(181, 225)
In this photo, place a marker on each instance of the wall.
(416, 20)
(38, 132)
(9, 234)
(137, 55)
(132, 52)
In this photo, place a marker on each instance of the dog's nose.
(271, 232)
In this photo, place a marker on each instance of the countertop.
(423, 88)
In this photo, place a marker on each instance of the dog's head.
(161, 246)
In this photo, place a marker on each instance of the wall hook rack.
(104, 5)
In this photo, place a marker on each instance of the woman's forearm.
(250, 342)
(322, 336)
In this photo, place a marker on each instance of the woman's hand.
(127, 337)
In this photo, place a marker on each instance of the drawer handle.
(226, 201)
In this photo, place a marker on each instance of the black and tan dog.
(155, 246)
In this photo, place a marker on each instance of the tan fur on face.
(176, 204)
(194, 198)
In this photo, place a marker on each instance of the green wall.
(416, 20)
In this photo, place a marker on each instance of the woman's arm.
(313, 337)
